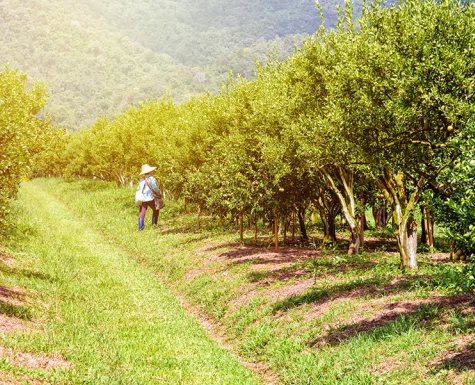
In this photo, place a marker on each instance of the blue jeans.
(143, 210)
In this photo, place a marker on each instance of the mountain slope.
(199, 31)
(90, 69)
(97, 58)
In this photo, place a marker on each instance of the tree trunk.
(380, 216)
(354, 247)
(427, 234)
(406, 236)
(276, 231)
(293, 226)
(355, 240)
(394, 189)
(303, 230)
(343, 220)
(241, 228)
(342, 184)
(326, 228)
(329, 228)
(412, 245)
(332, 229)
(199, 217)
(362, 227)
(430, 230)
(328, 206)
(363, 224)
(285, 231)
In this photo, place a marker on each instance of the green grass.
(98, 308)
(104, 294)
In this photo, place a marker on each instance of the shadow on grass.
(323, 270)
(375, 244)
(266, 277)
(6, 292)
(10, 303)
(10, 299)
(390, 323)
(398, 318)
(356, 288)
(459, 362)
(24, 273)
(13, 310)
(174, 230)
(195, 239)
(244, 254)
(294, 263)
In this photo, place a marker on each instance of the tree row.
(376, 111)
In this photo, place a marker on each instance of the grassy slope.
(313, 317)
(100, 310)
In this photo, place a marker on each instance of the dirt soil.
(382, 304)
(18, 297)
(378, 305)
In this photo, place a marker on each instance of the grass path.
(100, 310)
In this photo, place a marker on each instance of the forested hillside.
(199, 32)
(99, 57)
(90, 69)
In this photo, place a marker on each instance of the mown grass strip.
(106, 314)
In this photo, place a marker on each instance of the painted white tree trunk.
(394, 189)
(407, 244)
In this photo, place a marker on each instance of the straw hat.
(146, 169)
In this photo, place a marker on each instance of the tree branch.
(426, 143)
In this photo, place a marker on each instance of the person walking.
(150, 190)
